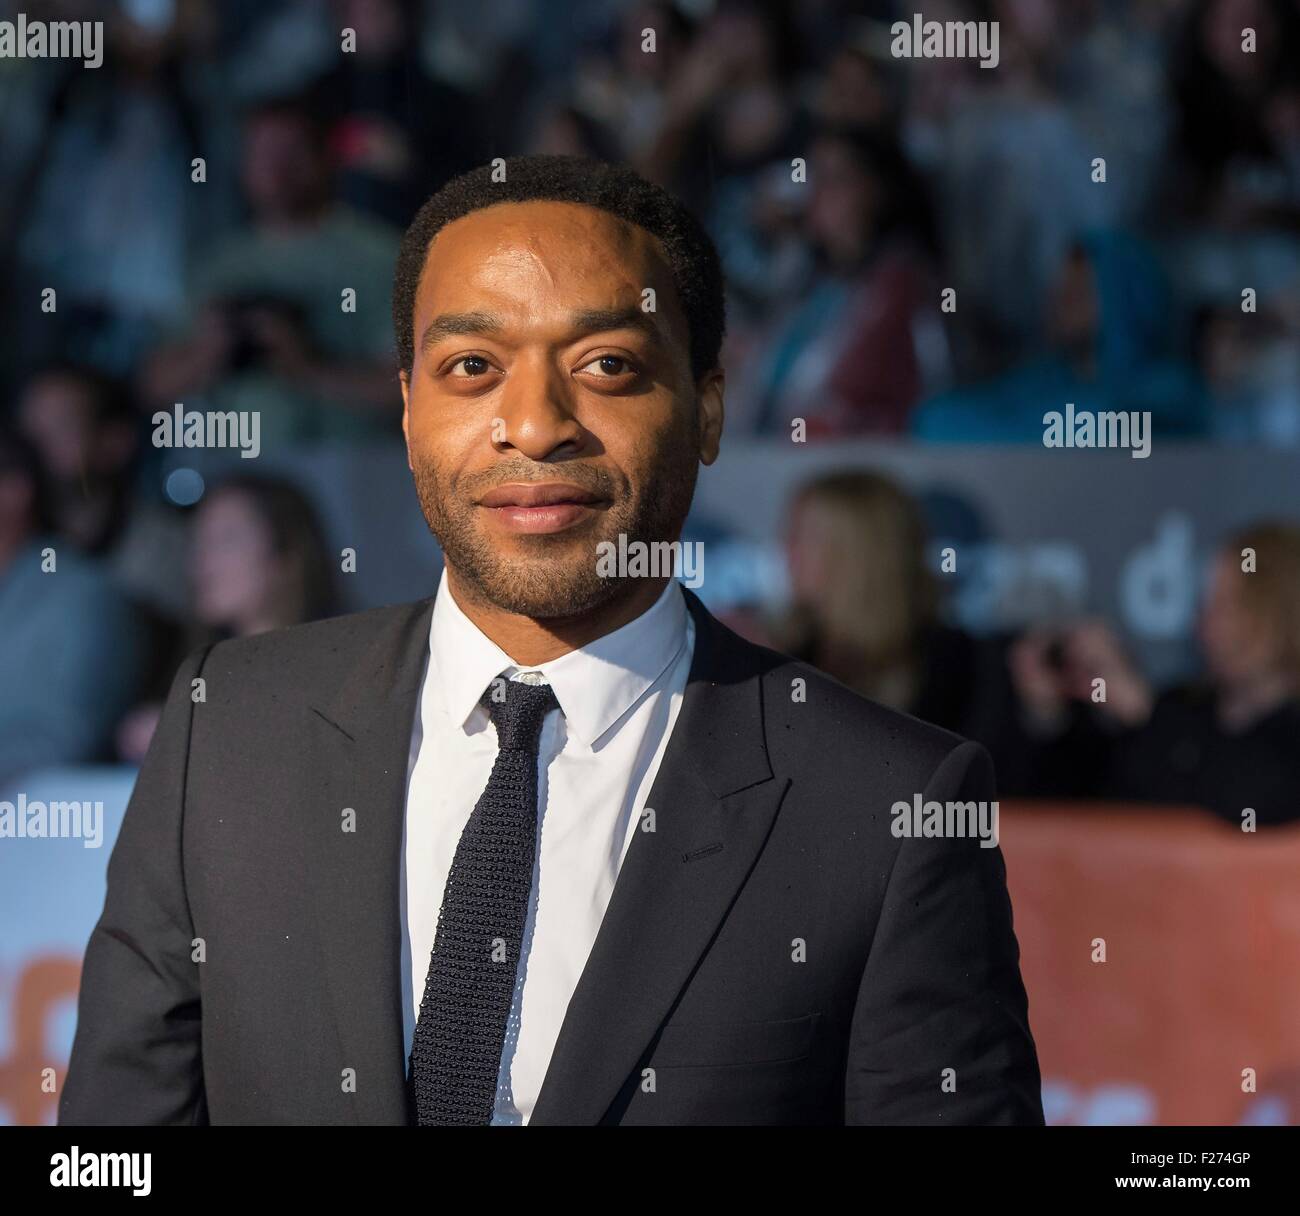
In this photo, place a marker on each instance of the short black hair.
(615, 188)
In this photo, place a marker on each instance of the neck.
(530, 641)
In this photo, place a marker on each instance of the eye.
(473, 365)
(609, 366)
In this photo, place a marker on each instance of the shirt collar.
(595, 686)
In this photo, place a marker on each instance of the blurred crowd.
(1064, 711)
(917, 249)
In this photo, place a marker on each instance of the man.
(553, 847)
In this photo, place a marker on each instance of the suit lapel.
(714, 800)
(360, 744)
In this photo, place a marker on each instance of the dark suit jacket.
(772, 953)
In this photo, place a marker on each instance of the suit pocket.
(714, 1044)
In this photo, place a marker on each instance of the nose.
(537, 416)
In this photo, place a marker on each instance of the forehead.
(540, 256)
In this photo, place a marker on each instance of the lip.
(538, 509)
(533, 494)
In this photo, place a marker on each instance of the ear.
(709, 412)
(405, 378)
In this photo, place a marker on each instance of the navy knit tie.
(460, 1033)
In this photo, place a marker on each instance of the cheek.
(643, 440)
(450, 433)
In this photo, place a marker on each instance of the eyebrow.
(589, 321)
(596, 320)
(450, 324)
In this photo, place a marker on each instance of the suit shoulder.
(812, 715)
(304, 653)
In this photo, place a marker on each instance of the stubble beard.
(554, 576)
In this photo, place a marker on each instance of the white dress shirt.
(619, 697)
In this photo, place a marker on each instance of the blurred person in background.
(623, 87)
(564, 130)
(88, 434)
(103, 150)
(70, 647)
(853, 351)
(1228, 741)
(765, 234)
(1111, 347)
(857, 88)
(270, 329)
(1251, 366)
(258, 562)
(731, 122)
(1009, 155)
(1237, 133)
(865, 609)
(852, 92)
(394, 132)
(1233, 196)
(731, 106)
(82, 423)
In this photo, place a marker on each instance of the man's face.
(547, 410)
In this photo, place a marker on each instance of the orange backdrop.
(1201, 925)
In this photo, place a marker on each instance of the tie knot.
(517, 710)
